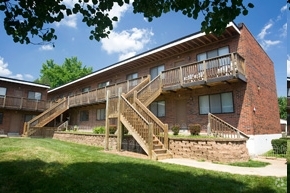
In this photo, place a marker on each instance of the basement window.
(158, 108)
(84, 115)
(216, 103)
(101, 114)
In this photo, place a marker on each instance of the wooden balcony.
(99, 95)
(209, 72)
(11, 102)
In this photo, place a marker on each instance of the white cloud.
(264, 32)
(69, 21)
(284, 30)
(118, 12)
(4, 71)
(46, 47)
(126, 43)
(284, 8)
(126, 55)
(274, 31)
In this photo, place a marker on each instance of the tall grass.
(47, 165)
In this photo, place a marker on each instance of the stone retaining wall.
(87, 139)
(215, 150)
(207, 149)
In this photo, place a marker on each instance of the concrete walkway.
(277, 168)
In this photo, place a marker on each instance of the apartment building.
(224, 82)
(20, 101)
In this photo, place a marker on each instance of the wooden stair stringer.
(51, 117)
(135, 134)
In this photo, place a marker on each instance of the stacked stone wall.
(215, 150)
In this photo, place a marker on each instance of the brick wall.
(260, 93)
(192, 104)
(215, 150)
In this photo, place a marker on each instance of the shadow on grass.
(38, 176)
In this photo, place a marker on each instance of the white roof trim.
(23, 82)
(174, 43)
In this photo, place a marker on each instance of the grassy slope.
(46, 165)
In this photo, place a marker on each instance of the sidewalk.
(278, 167)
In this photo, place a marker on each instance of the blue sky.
(132, 35)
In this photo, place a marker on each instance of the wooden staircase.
(44, 118)
(145, 127)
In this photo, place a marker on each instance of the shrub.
(194, 129)
(279, 146)
(99, 130)
(75, 128)
(175, 128)
(112, 129)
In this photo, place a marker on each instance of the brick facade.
(255, 101)
(19, 104)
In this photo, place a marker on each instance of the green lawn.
(52, 166)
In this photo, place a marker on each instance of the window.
(156, 71)
(34, 95)
(288, 94)
(28, 117)
(101, 114)
(84, 116)
(1, 117)
(2, 91)
(103, 84)
(158, 108)
(132, 77)
(216, 103)
(86, 89)
(213, 53)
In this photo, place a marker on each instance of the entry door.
(181, 113)
(15, 122)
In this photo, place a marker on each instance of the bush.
(279, 146)
(99, 130)
(194, 129)
(175, 128)
(112, 129)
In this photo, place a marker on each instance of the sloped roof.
(178, 46)
(12, 80)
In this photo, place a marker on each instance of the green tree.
(282, 101)
(27, 19)
(56, 75)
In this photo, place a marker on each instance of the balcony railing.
(99, 95)
(226, 66)
(20, 103)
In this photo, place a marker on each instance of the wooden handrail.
(133, 108)
(219, 127)
(138, 87)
